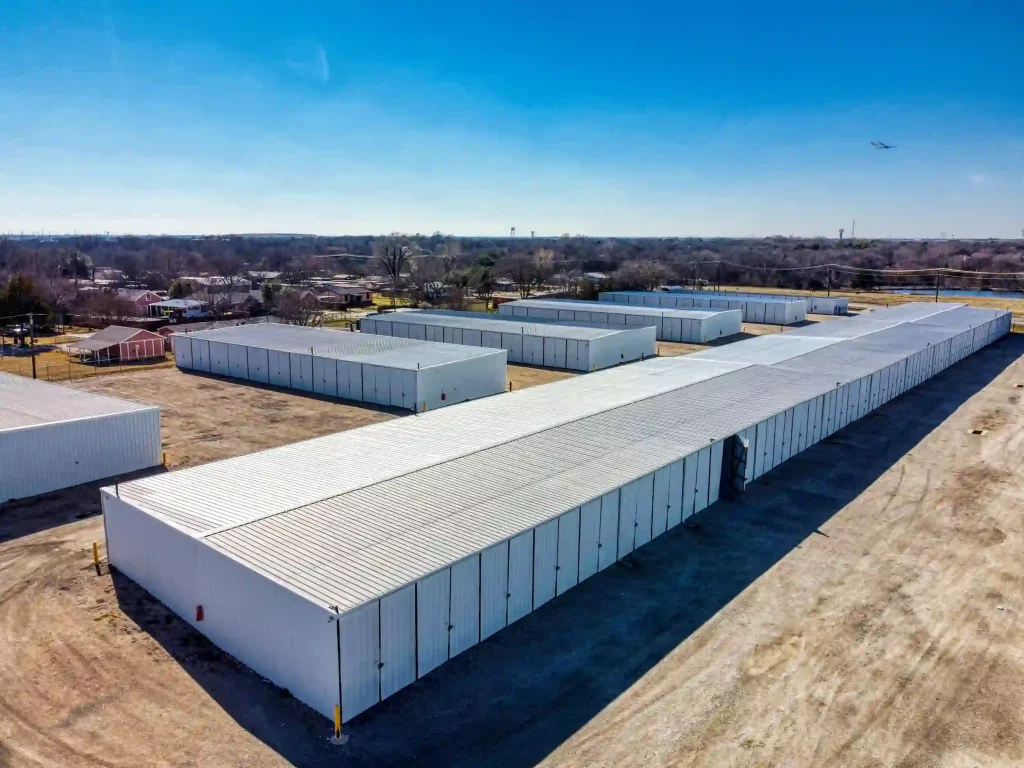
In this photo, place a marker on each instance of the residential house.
(139, 298)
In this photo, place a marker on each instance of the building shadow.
(513, 699)
(24, 517)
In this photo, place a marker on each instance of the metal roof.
(619, 309)
(770, 298)
(110, 336)
(484, 321)
(345, 519)
(407, 527)
(28, 402)
(391, 351)
(229, 492)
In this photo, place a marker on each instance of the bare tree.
(528, 271)
(640, 275)
(393, 254)
(426, 277)
(299, 308)
(450, 253)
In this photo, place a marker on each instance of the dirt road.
(859, 606)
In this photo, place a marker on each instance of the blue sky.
(725, 118)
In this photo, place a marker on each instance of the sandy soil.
(859, 606)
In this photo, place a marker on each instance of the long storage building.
(54, 437)
(819, 305)
(345, 568)
(775, 310)
(551, 344)
(693, 326)
(402, 373)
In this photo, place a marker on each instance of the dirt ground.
(859, 606)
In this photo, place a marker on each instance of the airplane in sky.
(882, 145)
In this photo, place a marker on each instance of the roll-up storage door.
(627, 519)
(568, 551)
(520, 576)
(432, 605)
(359, 636)
(590, 531)
(715, 472)
(659, 518)
(609, 530)
(644, 510)
(465, 606)
(545, 561)
(675, 494)
(493, 589)
(397, 640)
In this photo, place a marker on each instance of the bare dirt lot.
(859, 606)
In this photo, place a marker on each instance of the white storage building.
(775, 310)
(693, 326)
(819, 305)
(54, 437)
(551, 344)
(347, 567)
(403, 373)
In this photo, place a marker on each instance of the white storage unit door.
(675, 493)
(644, 510)
(567, 571)
(219, 358)
(609, 530)
(627, 519)
(325, 376)
(432, 596)
(715, 471)
(360, 656)
(238, 361)
(465, 606)
(590, 532)
(533, 350)
(545, 561)
(659, 517)
(397, 640)
(520, 576)
(689, 485)
(183, 351)
(493, 589)
(259, 365)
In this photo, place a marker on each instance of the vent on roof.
(977, 431)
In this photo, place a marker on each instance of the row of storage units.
(401, 373)
(819, 305)
(347, 567)
(775, 310)
(54, 437)
(691, 326)
(551, 344)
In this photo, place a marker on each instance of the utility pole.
(829, 282)
(32, 341)
(695, 276)
(938, 277)
(719, 276)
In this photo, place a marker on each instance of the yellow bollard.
(337, 722)
(165, 458)
(96, 557)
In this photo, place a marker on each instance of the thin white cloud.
(311, 64)
(977, 178)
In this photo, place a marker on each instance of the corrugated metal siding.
(86, 437)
